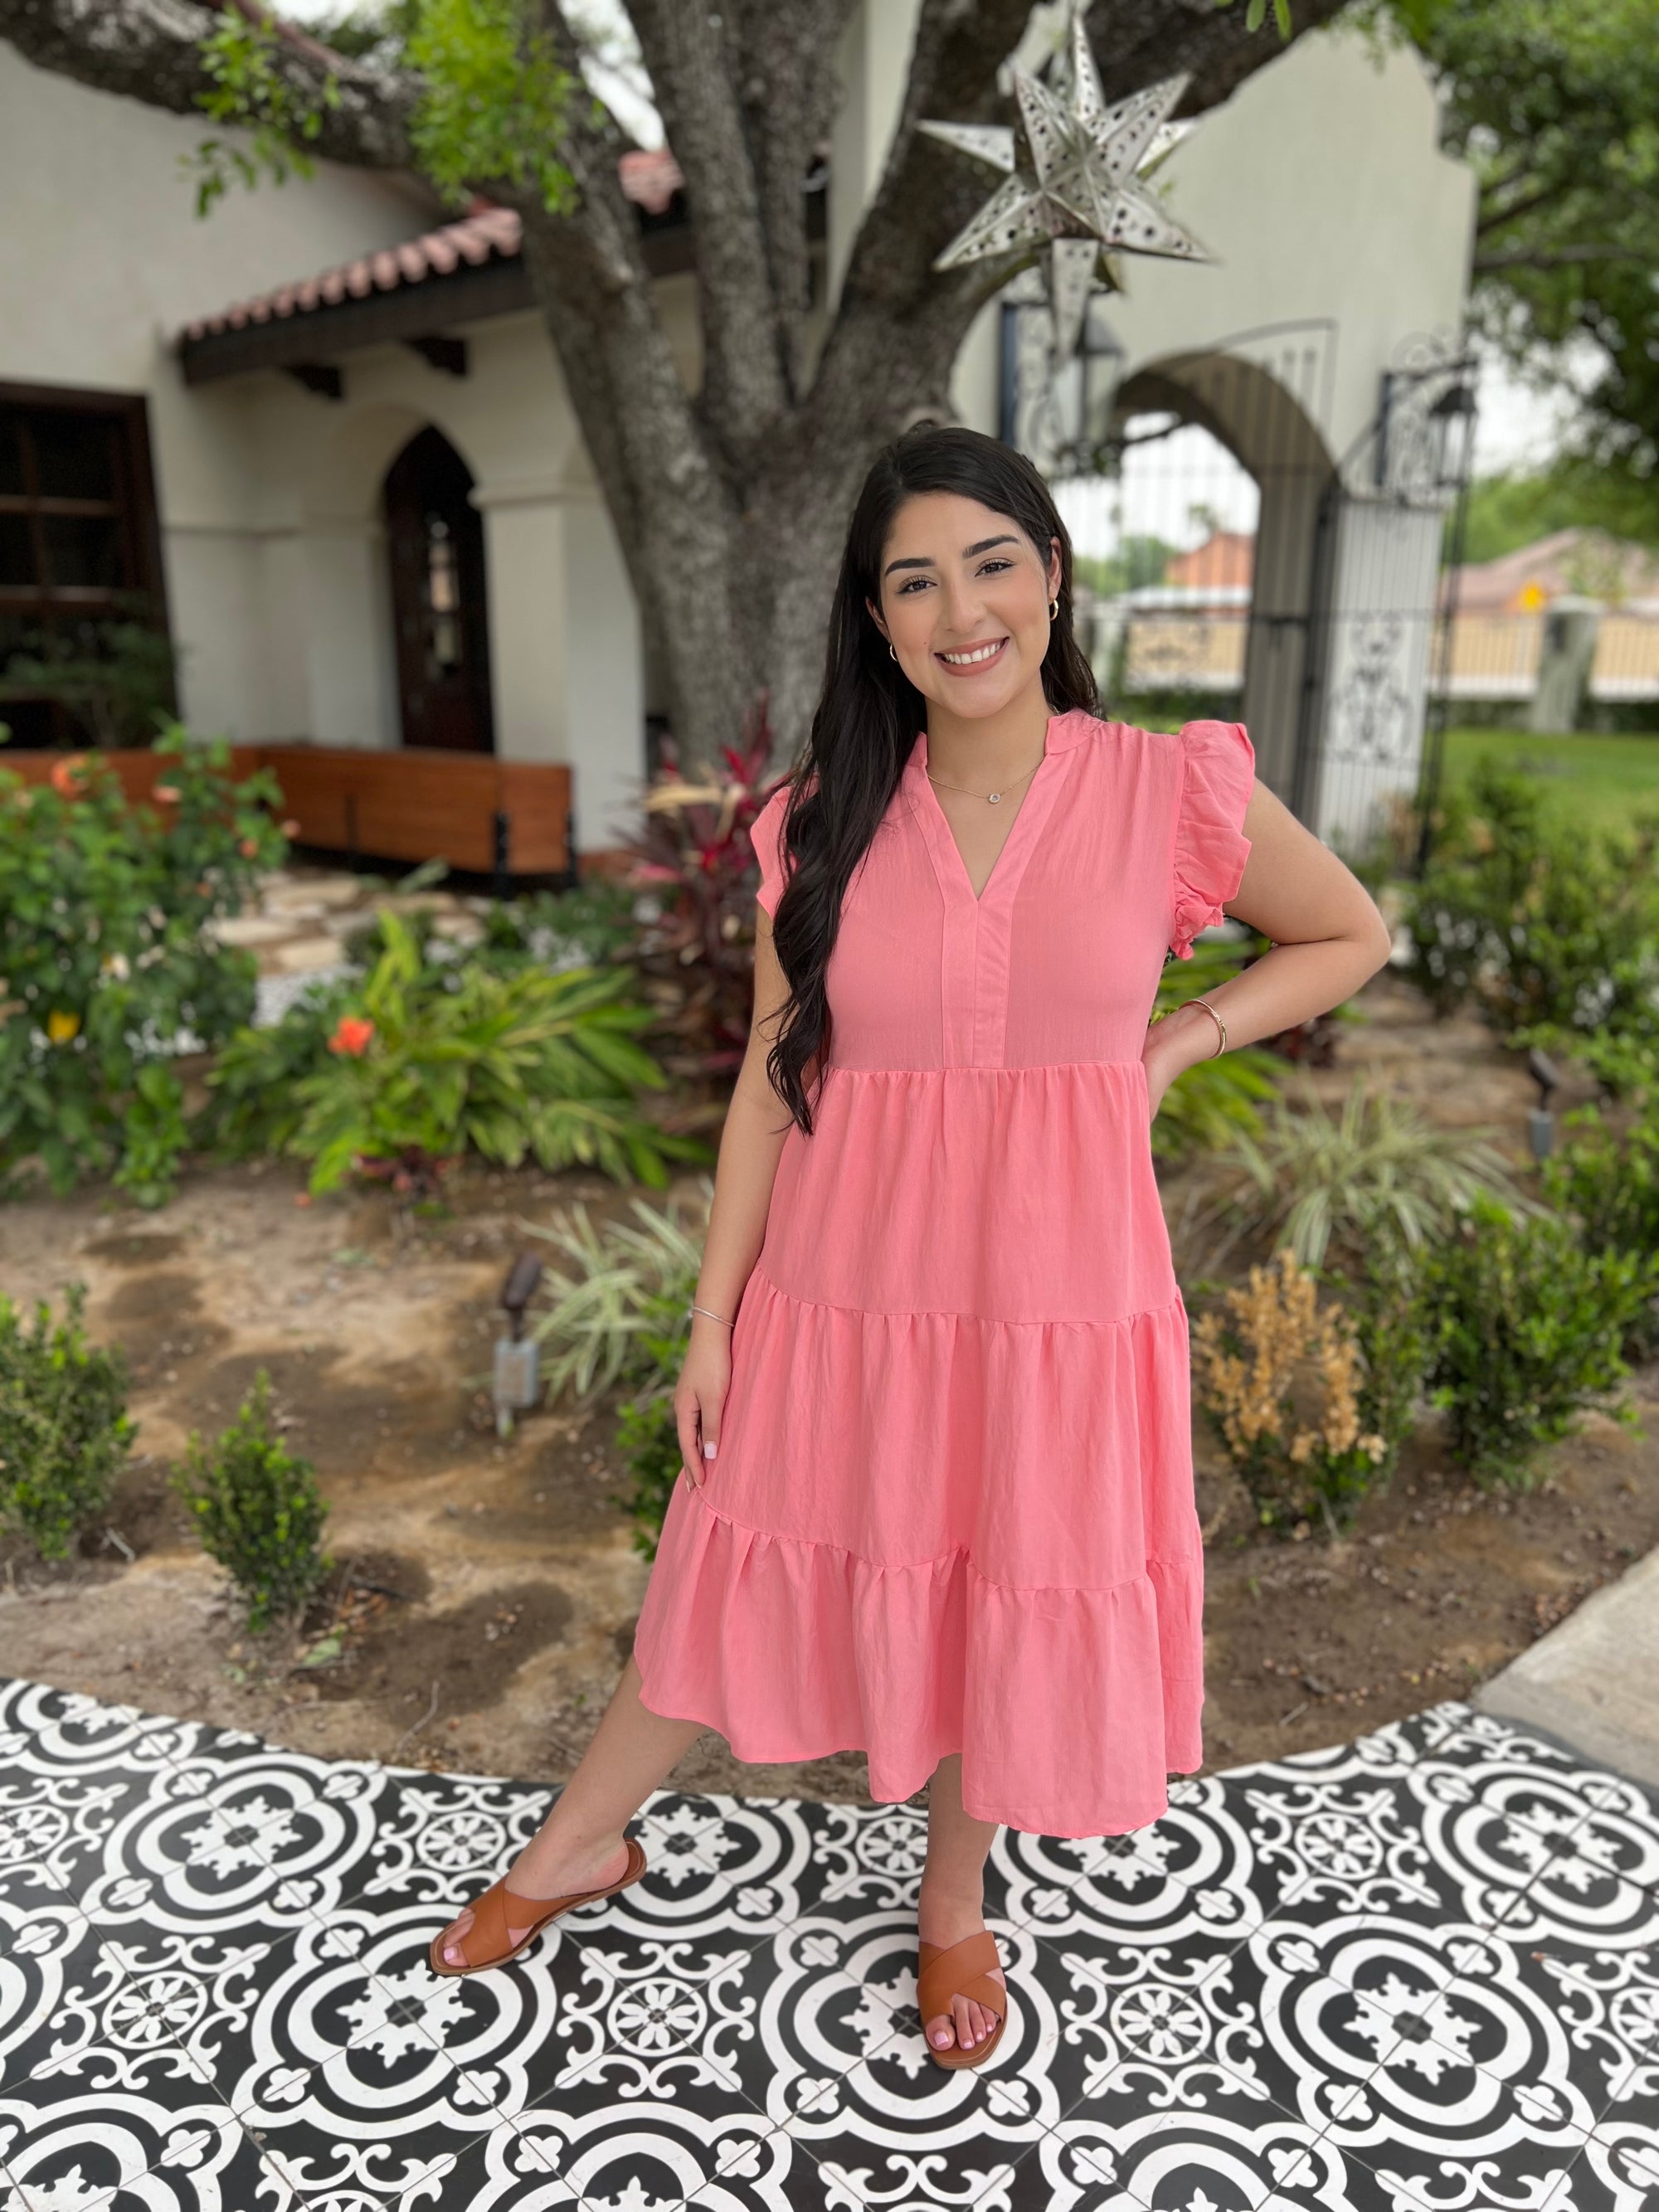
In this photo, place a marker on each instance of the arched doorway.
(435, 540)
(1209, 526)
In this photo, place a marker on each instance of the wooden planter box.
(489, 817)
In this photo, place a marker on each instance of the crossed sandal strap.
(542, 1908)
(488, 1937)
(961, 1970)
(493, 1922)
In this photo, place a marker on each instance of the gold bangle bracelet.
(1215, 1017)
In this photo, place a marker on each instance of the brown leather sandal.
(490, 1933)
(962, 1969)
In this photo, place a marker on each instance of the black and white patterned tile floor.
(1418, 1973)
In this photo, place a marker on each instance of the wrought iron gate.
(1232, 563)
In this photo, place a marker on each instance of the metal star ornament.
(1083, 194)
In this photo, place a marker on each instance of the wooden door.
(435, 537)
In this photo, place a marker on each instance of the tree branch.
(788, 89)
(151, 50)
(1495, 218)
(1555, 256)
(693, 57)
(928, 192)
(589, 270)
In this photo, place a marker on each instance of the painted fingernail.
(709, 1450)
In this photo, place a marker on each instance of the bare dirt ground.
(485, 1591)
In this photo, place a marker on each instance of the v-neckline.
(941, 820)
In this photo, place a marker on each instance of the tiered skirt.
(939, 1525)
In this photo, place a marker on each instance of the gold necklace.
(991, 798)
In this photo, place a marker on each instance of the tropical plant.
(1281, 1380)
(258, 1511)
(422, 1065)
(1525, 1327)
(1327, 1186)
(108, 965)
(64, 1431)
(694, 871)
(620, 1315)
(593, 1316)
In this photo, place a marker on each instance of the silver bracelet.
(712, 1316)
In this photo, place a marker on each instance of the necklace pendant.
(994, 797)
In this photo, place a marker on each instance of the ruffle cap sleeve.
(766, 834)
(1217, 772)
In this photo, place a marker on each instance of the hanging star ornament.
(1083, 194)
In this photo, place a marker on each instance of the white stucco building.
(368, 513)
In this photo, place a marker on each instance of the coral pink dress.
(952, 1508)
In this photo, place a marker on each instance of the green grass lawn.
(1592, 779)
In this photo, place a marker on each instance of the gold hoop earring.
(1054, 609)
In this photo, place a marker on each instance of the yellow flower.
(60, 1027)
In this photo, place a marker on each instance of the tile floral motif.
(1386, 1974)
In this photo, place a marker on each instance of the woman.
(937, 1501)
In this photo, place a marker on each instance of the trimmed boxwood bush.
(64, 1432)
(258, 1511)
(1525, 1330)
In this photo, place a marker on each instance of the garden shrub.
(417, 1064)
(1532, 919)
(1380, 1168)
(1282, 1382)
(64, 1431)
(1624, 1063)
(1525, 1326)
(116, 676)
(1608, 1183)
(106, 960)
(1384, 1300)
(258, 1511)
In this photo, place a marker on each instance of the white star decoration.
(1085, 197)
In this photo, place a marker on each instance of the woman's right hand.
(700, 1394)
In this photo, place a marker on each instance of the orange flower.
(166, 793)
(351, 1035)
(66, 774)
(248, 848)
(290, 828)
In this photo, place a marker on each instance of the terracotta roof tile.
(649, 179)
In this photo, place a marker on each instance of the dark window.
(80, 560)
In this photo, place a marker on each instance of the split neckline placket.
(978, 930)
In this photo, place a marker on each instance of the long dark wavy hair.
(869, 715)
